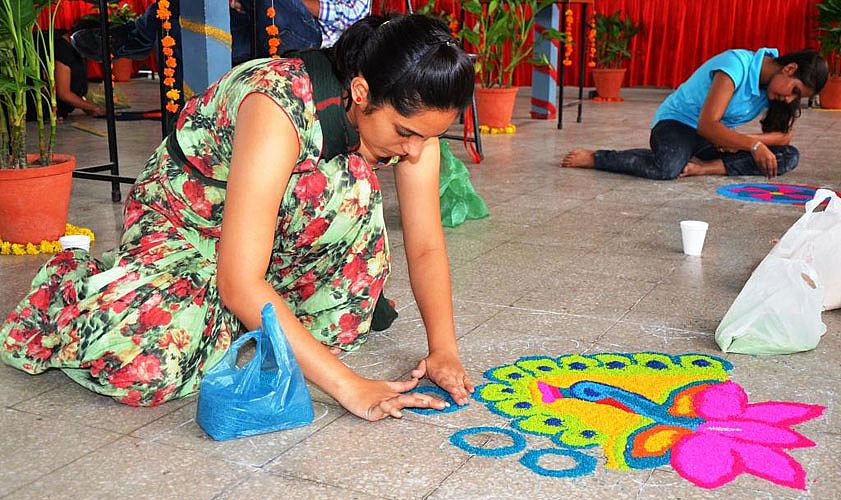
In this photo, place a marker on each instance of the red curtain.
(678, 35)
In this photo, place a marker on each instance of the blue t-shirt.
(743, 67)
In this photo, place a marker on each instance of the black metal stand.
(113, 166)
(582, 64)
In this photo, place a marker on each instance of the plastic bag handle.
(236, 345)
(820, 196)
(273, 332)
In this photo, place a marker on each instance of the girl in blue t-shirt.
(692, 132)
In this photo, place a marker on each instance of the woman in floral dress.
(267, 191)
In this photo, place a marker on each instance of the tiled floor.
(570, 261)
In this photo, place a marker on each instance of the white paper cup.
(693, 232)
(75, 241)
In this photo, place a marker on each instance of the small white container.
(75, 241)
(693, 233)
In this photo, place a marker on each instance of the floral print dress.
(145, 322)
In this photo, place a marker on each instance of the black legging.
(674, 143)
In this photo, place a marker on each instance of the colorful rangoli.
(642, 410)
(788, 194)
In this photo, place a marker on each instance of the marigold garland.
(167, 43)
(568, 40)
(508, 129)
(272, 31)
(591, 42)
(9, 248)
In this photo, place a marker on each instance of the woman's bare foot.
(694, 168)
(579, 158)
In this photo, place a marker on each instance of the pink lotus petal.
(770, 464)
(721, 401)
(781, 412)
(756, 432)
(707, 460)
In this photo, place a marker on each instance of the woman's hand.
(377, 399)
(446, 371)
(96, 111)
(765, 160)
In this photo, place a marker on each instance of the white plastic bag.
(816, 239)
(777, 312)
(779, 309)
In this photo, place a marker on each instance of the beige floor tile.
(392, 458)
(34, 445)
(130, 468)
(261, 485)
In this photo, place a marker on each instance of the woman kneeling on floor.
(267, 191)
(693, 132)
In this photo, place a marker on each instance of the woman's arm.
(264, 154)
(63, 92)
(429, 270)
(711, 128)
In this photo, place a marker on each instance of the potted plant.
(501, 23)
(34, 188)
(829, 36)
(118, 15)
(613, 34)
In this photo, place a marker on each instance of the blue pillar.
(205, 43)
(544, 80)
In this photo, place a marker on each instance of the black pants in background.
(673, 144)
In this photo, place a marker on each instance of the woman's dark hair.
(410, 62)
(813, 71)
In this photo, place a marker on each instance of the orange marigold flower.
(172, 107)
(163, 4)
(171, 62)
(270, 12)
(166, 25)
(567, 62)
(167, 51)
(591, 64)
(169, 72)
(274, 42)
(167, 41)
(272, 50)
(163, 14)
(275, 56)
(173, 94)
(272, 29)
(169, 81)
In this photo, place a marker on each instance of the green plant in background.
(118, 14)
(829, 34)
(613, 34)
(500, 23)
(24, 73)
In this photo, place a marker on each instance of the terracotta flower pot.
(34, 200)
(608, 82)
(123, 69)
(831, 93)
(495, 106)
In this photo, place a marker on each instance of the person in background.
(302, 24)
(692, 132)
(71, 79)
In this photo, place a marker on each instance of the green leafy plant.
(829, 34)
(613, 34)
(118, 14)
(500, 23)
(26, 73)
